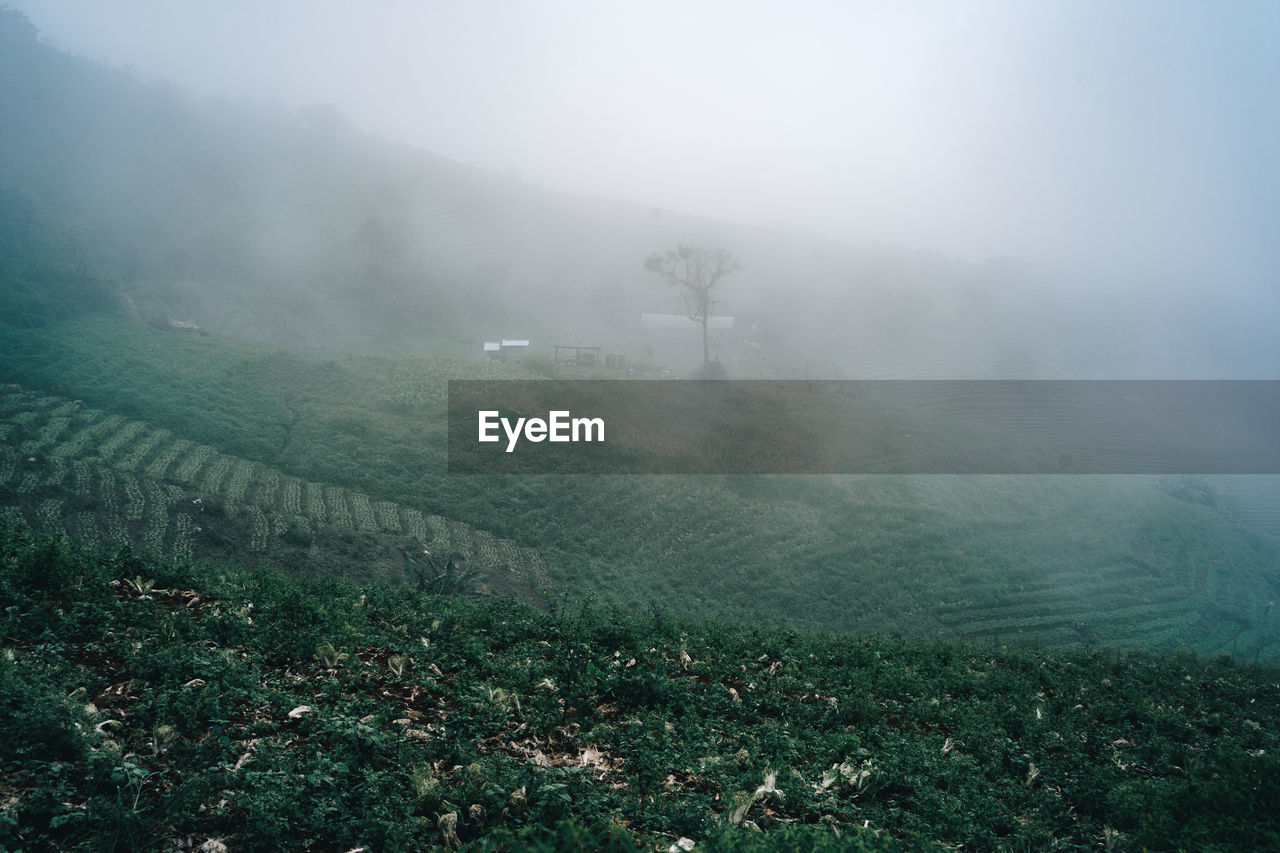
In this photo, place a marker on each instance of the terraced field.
(1110, 604)
(105, 480)
(1256, 499)
(994, 559)
(1151, 583)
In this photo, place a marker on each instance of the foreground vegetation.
(149, 704)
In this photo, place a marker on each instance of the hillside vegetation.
(267, 435)
(149, 704)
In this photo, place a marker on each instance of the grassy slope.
(1055, 559)
(149, 703)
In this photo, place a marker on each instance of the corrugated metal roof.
(507, 343)
(492, 346)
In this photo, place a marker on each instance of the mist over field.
(254, 257)
(1082, 189)
(1075, 191)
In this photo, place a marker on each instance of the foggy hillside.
(296, 228)
(248, 251)
(245, 220)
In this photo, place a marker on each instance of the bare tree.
(696, 270)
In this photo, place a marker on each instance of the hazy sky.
(1141, 135)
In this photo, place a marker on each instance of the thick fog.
(1126, 151)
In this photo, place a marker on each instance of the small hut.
(507, 349)
(513, 350)
(579, 356)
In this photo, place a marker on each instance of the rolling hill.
(1053, 559)
(243, 600)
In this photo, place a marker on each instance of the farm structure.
(574, 356)
(507, 349)
(580, 356)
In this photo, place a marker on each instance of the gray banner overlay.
(864, 427)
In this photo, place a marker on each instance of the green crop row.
(313, 503)
(73, 446)
(388, 515)
(30, 482)
(214, 476)
(8, 464)
(335, 499)
(120, 467)
(269, 488)
(238, 480)
(121, 439)
(56, 470)
(138, 454)
(158, 505)
(160, 465)
(362, 512)
(49, 512)
(46, 436)
(192, 461)
(13, 518)
(84, 442)
(84, 528)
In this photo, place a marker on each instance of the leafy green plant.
(432, 575)
(330, 657)
(142, 587)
